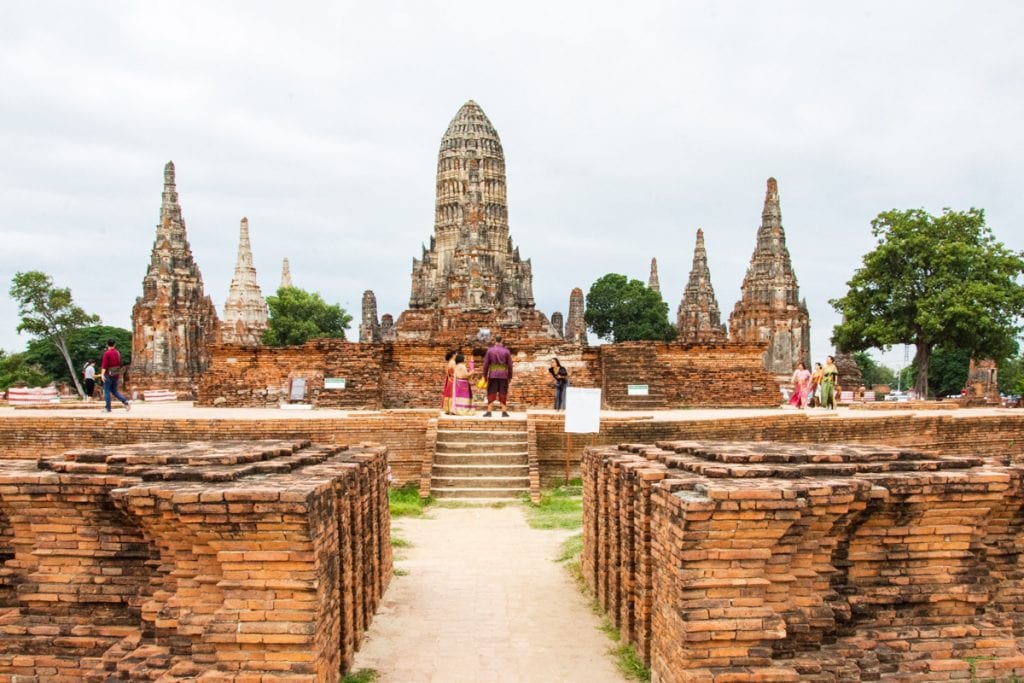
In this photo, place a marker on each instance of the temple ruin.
(174, 321)
(770, 310)
(245, 310)
(471, 281)
(698, 319)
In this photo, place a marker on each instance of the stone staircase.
(480, 459)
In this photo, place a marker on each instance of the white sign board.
(298, 389)
(636, 390)
(582, 410)
(334, 382)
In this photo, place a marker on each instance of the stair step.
(487, 493)
(480, 458)
(455, 482)
(465, 436)
(482, 446)
(475, 470)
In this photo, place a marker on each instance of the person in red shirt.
(110, 372)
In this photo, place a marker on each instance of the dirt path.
(484, 601)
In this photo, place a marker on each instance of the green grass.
(571, 548)
(559, 508)
(400, 572)
(361, 676)
(626, 659)
(399, 542)
(406, 501)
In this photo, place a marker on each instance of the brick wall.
(405, 434)
(1000, 437)
(411, 375)
(686, 376)
(402, 432)
(768, 561)
(170, 560)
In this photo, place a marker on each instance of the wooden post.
(568, 452)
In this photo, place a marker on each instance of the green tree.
(84, 344)
(1011, 374)
(873, 372)
(48, 312)
(15, 370)
(620, 309)
(296, 316)
(931, 281)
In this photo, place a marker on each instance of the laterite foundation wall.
(405, 433)
(411, 375)
(781, 562)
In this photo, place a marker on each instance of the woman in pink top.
(801, 386)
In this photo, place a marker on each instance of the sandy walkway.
(484, 601)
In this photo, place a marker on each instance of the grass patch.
(626, 659)
(406, 501)
(361, 676)
(399, 542)
(398, 571)
(559, 508)
(571, 548)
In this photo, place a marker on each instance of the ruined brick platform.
(243, 560)
(728, 561)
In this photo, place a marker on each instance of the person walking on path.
(110, 371)
(462, 393)
(829, 379)
(498, 371)
(561, 376)
(801, 383)
(89, 373)
(814, 399)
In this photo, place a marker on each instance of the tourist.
(561, 377)
(89, 373)
(801, 384)
(110, 371)
(462, 402)
(449, 382)
(829, 380)
(498, 371)
(814, 397)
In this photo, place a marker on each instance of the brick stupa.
(245, 310)
(770, 309)
(174, 320)
(471, 278)
(575, 325)
(698, 318)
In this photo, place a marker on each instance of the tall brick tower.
(245, 310)
(471, 278)
(174, 320)
(770, 309)
(698, 319)
(653, 283)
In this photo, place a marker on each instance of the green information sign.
(334, 382)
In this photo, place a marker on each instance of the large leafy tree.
(620, 309)
(930, 281)
(84, 344)
(873, 372)
(48, 312)
(15, 369)
(296, 316)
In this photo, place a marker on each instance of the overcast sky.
(626, 126)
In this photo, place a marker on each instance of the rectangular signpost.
(582, 416)
(334, 383)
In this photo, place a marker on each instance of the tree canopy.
(620, 309)
(930, 281)
(15, 370)
(296, 316)
(48, 312)
(84, 344)
(873, 372)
